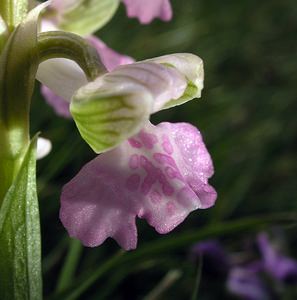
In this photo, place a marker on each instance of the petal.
(62, 76)
(150, 176)
(64, 5)
(108, 111)
(247, 284)
(44, 147)
(163, 82)
(191, 67)
(278, 265)
(110, 58)
(60, 106)
(146, 11)
(82, 17)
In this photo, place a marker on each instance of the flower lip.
(158, 175)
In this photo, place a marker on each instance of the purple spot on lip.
(154, 174)
(148, 139)
(172, 171)
(171, 208)
(134, 143)
(164, 159)
(167, 147)
(155, 197)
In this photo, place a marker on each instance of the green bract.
(20, 257)
(88, 16)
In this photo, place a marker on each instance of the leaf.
(20, 254)
(172, 243)
(89, 16)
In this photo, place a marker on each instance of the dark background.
(247, 115)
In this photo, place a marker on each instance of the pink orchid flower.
(146, 11)
(159, 173)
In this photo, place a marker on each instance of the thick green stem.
(17, 75)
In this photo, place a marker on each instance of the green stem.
(17, 77)
(68, 270)
(167, 244)
(59, 44)
(198, 278)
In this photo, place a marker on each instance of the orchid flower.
(159, 173)
(247, 284)
(280, 266)
(146, 11)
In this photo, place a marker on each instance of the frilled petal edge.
(145, 11)
(161, 175)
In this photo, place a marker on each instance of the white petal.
(44, 147)
(62, 76)
(190, 65)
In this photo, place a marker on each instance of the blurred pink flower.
(147, 10)
(276, 263)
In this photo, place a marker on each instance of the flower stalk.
(60, 44)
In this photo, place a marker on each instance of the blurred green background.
(247, 115)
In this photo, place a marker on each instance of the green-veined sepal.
(106, 113)
(83, 17)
